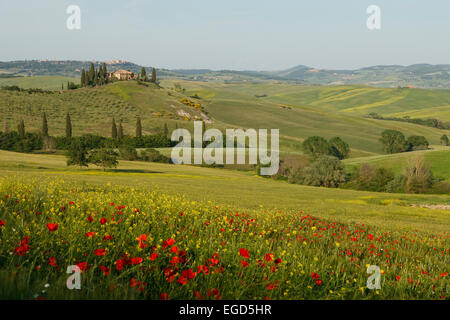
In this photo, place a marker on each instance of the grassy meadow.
(160, 231)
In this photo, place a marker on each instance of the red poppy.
(174, 249)
(90, 234)
(142, 238)
(52, 261)
(107, 237)
(2, 223)
(315, 275)
(319, 282)
(105, 270)
(164, 296)
(52, 227)
(188, 274)
(182, 280)
(277, 261)
(137, 260)
(83, 266)
(100, 252)
(168, 243)
(23, 248)
(119, 264)
(71, 203)
(153, 256)
(268, 257)
(397, 278)
(244, 253)
(90, 218)
(244, 263)
(103, 220)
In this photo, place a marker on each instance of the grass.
(151, 231)
(438, 159)
(229, 105)
(43, 82)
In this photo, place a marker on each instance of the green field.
(242, 190)
(438, 159)
(314, 110)
(42, 82)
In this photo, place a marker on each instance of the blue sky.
(229, 34)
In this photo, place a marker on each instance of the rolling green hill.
(311, 110)
(42, 82)
(438, 158)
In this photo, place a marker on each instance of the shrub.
(444, 140)
(397, 185)
(369, 178)
(419, 176)
(394, 141)
(418, 143)
(77, 154)
(153, 155)
(326, 171)
(105, 158)
(316, 146)
(339, 148)
(128, 153)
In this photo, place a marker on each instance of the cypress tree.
(105, 73)
(153, 74)
(83, 77)
(166, 130)
(44, 125)
(113, 129)
(138, 127)
(91, 75)
(120, 133)
(144, 76)
(21, 129)
(68, 127)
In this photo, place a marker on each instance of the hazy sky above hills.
(229, 34)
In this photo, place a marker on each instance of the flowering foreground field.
(132, 243)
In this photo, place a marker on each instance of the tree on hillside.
(419, 175)
(44, 125)
(394, 141)
(326, 171)
(105, 158)
(83, 78)
(339, 148)
(68, 127)
(166, 130)
(418, 143)
(144, 76)
(153, 75)
(91, 75)
(444, 140)
(77, 154)
(120, 134)
(21, 129)
(138, 127)
(316, 146)
(113, 129)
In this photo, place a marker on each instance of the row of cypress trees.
(94, 77)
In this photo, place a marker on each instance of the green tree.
(419, 176)
(83, 78)
(144, 76)
(91, 75)
(394, 141)
(417, 143)
(326, 171)
(153, 75)
(105, 158)
(113, 129)
(138, 127)
(44, 125)
(68, 127)
(120, 134)
(77, 154)
(166, 130)
(316, 146)
(339, 148)
(444, 140)
(21, 129)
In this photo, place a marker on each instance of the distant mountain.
(417, 75)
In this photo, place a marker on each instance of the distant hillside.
(418, 75)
